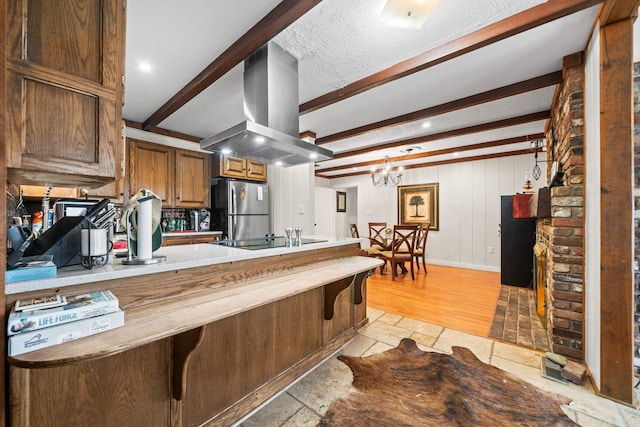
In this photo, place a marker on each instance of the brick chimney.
(563, 233)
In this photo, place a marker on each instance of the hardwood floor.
(456, 298)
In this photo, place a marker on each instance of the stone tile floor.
(304, 402)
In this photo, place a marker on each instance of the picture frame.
(418, 204)
(341, 201)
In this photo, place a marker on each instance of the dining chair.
(377, 241)
(404, 241)
(420, 251)
(354, 230)
(356, 235)
(377, 235)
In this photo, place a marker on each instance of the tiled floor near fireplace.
(516, 320)
(303, 403)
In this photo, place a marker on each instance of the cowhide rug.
(406, 386)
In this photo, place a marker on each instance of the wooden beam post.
(616, 209)
(4, 403)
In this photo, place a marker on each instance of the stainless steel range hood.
(270, 130)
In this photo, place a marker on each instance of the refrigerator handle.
(232, 199)
(233, 210)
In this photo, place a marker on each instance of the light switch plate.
(300, 209)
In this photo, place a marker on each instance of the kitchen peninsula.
(209, 335)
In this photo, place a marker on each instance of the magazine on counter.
(76, 308)
(46, 337)
(39, 303)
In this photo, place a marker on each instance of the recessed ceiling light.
(145, 67)
(279, 163)
(260, 139)
(313, 156)
(226, 151)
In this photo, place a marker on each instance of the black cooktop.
(262, 242)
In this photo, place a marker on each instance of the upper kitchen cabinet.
(179, 177)
(192, 179)
(238, 167)
(151, 168)
(113, 191)
(64, 72)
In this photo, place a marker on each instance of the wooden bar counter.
(209, 335)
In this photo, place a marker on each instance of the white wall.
(469, 206)
(592, 208)
(292, 198)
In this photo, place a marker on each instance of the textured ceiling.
(340, 42)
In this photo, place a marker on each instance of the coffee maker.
(205, 218)
(199, 219)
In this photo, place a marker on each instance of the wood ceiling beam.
(438, 163)
(458, 104)
(283, 15)
(523, 21)
(479, 146)
(165, 132)
(513, 121)
(617, 10)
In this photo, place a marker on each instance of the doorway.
(329, 221)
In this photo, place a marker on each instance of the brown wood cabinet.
(64, 71)
(113, 191)
(88, 393)
(237, 167)
(151, 167)
(192, 179)
(179, 177)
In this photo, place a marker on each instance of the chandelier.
(383, 177)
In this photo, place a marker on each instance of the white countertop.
(177, 258)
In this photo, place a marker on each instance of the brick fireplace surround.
(563, 233)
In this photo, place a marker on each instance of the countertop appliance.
(240, 209)
(72, 207)
(261, 242)
(199, 219)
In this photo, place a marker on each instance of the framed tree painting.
(418, 204)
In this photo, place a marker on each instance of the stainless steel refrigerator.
(240, 209)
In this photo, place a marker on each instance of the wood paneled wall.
(469, 206)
